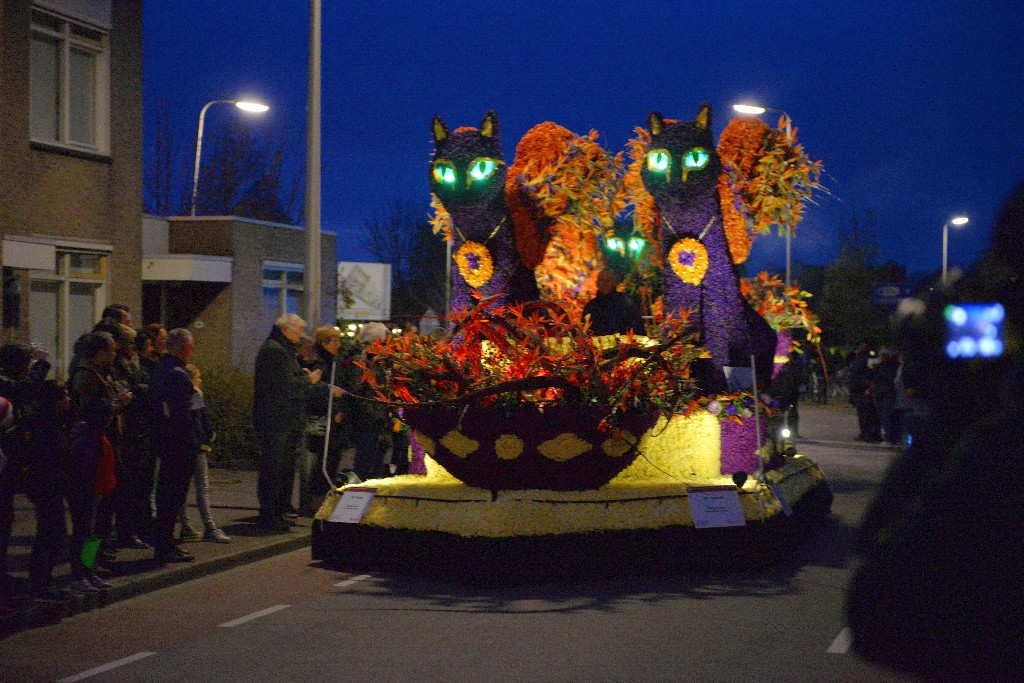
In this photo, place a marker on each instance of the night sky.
(915, 108)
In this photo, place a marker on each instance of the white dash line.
(841, 645)
(354, 579)
(254, 615)
(106, 667)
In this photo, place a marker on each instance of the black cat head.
(468, 166)
(682, 164)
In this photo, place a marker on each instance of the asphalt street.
(285, 619)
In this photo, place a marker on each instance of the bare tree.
(158, 174)
(402, 237)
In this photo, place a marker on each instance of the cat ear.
(440, 130)
(704, 116)
(489, 126)
(655, 123)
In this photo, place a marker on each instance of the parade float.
(548, 453)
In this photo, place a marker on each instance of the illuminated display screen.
(974, 330)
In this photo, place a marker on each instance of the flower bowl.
(560, 448)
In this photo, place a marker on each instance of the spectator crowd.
(107, 457)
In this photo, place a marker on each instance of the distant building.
(227, 279)
(70, 166)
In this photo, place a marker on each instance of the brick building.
(70, 166)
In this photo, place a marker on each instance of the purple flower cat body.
(467, 173)
(681, 172)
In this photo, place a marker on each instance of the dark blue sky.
(915, 108)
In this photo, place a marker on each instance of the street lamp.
(251, 107)
(957, 221)
(757, 110)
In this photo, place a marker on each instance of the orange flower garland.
(738, 148)
(475, 264)
(775, 187)
(689, 260)
(560, 190)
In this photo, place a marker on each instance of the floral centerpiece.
(785, 309)
(522, 396)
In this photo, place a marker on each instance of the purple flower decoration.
(474, 261)
(715, 408)
(686, 258)
(731, 410)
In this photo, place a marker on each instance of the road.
(285, 619)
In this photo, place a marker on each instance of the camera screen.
(974, 330)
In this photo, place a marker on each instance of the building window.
(70, 77)
(282, 291)
(65, 303)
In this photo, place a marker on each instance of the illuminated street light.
(957, 221)
(251, 107)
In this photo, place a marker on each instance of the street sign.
(889, 295)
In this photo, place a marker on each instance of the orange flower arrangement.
(738, 148)
(561, 190)
(785, 308)
(775, 189)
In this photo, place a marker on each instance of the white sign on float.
(370, 287)
(715, 506)
(352, 505)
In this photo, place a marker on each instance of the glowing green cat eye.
(658, 160)
(696, 158)
(481, 169)
(444, 172)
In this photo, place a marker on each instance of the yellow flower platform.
(641, 520)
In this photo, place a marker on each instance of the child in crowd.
(202, 473)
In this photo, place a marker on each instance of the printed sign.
(715, 506)
(353, 505)
(370, 287)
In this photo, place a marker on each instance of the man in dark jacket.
(612, 311)
(282, 388)
(177, 438)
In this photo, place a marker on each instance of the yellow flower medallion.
(459, 444)
(564, 447)
(508, 447)
(689, 260)
(475, 264)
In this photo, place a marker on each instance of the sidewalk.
(235, 507)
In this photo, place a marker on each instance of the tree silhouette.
(238, 175)
(403, 238)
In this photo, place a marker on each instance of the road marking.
(354, 579)
(841, 645)
(254, 615)
(106, 667)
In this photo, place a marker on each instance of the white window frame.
(64, 279)
(67, 42)
(281, 283)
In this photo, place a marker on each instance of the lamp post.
(251, 107)
(311, 278)
(757, 110)
(957, 221)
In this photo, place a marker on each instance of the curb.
(143, 584)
